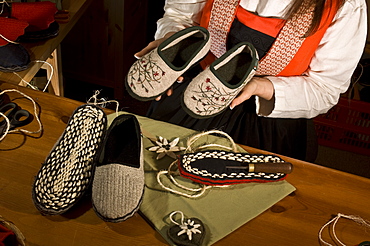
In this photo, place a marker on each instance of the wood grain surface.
(295, 220)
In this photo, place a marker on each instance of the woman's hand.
(151, 46)
(258, 86)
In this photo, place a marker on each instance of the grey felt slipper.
(66, 174)
(118, 184)
(154, 73)
(211, 91)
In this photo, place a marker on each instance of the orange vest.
(301, 60)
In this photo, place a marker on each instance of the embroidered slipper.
(154, 73)
(41, 19)
(217, 167)
(67, 172)
(14, 57)
(211, 91)
(118, 184)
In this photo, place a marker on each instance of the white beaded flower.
(189, 228)
(164, 147)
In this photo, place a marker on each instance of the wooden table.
(295, 220)
(44, 50)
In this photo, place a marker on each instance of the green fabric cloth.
(222, 210)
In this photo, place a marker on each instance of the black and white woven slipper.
(217, 167)
(67, 172)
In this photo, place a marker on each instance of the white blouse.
(331, 67)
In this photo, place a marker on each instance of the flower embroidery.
(164, 147)
(189, 228)
(209, 98)
(145, 72)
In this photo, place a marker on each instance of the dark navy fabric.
(241, 33)
(13, 58)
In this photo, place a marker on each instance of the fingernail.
(231, 107)
(137, 57)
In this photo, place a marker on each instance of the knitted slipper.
(217, 167)
(211, 91)
(67, 172)
(39, 16)
(14, 57)
(154, 73)
(118, 185)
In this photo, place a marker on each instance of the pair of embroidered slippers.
(212, 90)
(90, 158)
(24, 22)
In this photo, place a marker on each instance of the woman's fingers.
(158, 98)
(152, 45)
(244, 95)
(147, 49)
(258, 86)
(168, 93)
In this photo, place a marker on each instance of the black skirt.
(290, 137)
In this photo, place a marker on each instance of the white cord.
(6, 38)
(102, 102)
(177, 212)
(357, 219)
(195, 138)
(169, 173)
(6, 130)
(49, 79)
(196, 192)
(2, 6)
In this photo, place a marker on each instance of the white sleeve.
(178, 15)
(330, 70)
